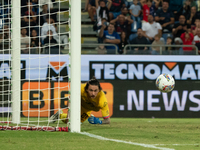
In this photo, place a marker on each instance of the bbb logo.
(57, 71)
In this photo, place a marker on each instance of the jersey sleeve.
(104, 107)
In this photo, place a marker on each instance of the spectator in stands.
(91, 8)
(122, 23)
(89, 4)
(29, 17)
(110, 37)
(140, 39)
(6, 33)
(62, 38)
(48, 25)
(42, 2)
(101, 49)
(148, 8)
(176, 6)
(49, 38)
(197, 27)
(35, 6)
(25, 40)
(4, 13)
(187, 39)
(158, 3)
(197, 37)
(123, 42)
(41, 19)
(25, 50)
(180, 27)
(35, 42)
(135, 11)
(165, 17)
(157, 41)
(190, 17)
(169, 49)
(115, 9)
(151, 28)
(102, 10)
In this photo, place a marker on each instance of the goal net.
(37, 67)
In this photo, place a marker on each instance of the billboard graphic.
(45, 98)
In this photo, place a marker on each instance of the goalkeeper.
(92, 99)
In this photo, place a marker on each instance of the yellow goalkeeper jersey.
(98, 103)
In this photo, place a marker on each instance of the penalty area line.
(125, 142)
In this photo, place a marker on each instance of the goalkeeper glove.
(94, 120)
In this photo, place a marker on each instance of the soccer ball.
(165, 83)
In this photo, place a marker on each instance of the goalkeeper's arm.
(94, 120)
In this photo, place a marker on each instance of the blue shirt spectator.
(110, 37)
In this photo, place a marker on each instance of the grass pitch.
(178, 134)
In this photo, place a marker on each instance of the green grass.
(185, 132)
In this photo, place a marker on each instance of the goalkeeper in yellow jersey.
(92, 99)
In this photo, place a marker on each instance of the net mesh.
(44, 67)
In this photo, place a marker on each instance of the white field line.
(175, 144)
(126, 142)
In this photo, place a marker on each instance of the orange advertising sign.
(45, 98)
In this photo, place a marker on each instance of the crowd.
(38, 27)
(167, 25)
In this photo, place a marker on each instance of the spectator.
(140, 39)
(4, 14)
(91, 8)
(6, 33)
(48, 25)
(98, 28)
(197, 37)
(49, 38)
(29, 18)
(190, 17)
(123, 42)
(48, 2)
(41, 19)
(115, 9)
(25, 50)
(169, 49)
(158, 3)
(196, 28)
(102, 10)
(35, 42)
(187, 39)
(101, 49)
(122, 23)
(148, 8)
(176, 6)
(157, 41)
(135, 11)
(165, 17)
(180, 27)
(110, 37)
(151, 28)
(25, 40)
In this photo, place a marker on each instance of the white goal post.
(44, 80)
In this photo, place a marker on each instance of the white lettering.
(139, 104)
(174, 72)
(97, 70)
(148, 73)
(119, 73)
(151, 100)
(195, 100)
(175, 97)
(132, 70)
(5, 71)
(197, 67)
(109, 71)
(189, 72)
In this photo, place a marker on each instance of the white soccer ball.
(165, 83)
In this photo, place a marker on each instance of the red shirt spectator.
(146, 12)
(187, 39)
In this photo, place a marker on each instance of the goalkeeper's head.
(93, 87)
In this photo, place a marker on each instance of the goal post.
(16, 59)
(75, 64)
(40, 69)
